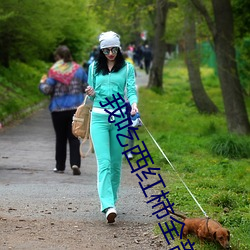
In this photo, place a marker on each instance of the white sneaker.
(130, 156)
(111, 214)
(76, 170)
(58, 171)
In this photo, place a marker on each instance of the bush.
(231, 146)
(224, 200)
(19, 88)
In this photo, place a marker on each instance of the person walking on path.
(65, 84)
(147, 54)
(108, 76)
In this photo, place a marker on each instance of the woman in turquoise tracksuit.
(108, 76)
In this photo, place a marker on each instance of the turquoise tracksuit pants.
(108, 153)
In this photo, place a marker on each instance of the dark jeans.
(62, 122)
(147, 65)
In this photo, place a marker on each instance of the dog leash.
(174, 170)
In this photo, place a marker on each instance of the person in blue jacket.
(65, 83)
(109, 76)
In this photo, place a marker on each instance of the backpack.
(81, 126)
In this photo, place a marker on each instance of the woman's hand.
(134, 109)
(90, 91)
(43, 79)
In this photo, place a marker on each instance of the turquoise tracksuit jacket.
(108, 151)
(122, 82)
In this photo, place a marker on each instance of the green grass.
(214, 164)
(19, 88)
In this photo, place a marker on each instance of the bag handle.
(85, 99)
(90, 149)
(87, 137)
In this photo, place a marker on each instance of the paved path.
(26, 163)
(31, 191)
(27, 160)
(141, 78)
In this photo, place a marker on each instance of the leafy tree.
(24, 32)
(175, 24)
(126, 17)
(241, 18)
(242, 33)
(28, 33)
(221, 28)
(201, 99)
(156, 72)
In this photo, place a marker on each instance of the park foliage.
(213, 163)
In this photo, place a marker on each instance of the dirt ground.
(17, 233)
(40, 209)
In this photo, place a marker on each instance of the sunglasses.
(106, 51)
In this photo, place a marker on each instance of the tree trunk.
(223, 38)
(159, 46)
(233, 97)
(201, 99)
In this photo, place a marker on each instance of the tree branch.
(202, 9)
(172, 5)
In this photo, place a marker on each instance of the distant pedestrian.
(138, 55)
(147, 54)
(93, 55)
(65, 84)
(107, 78)
(128, 59)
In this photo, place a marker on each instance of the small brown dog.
(205, 229)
